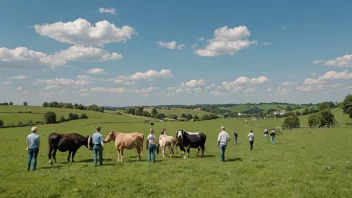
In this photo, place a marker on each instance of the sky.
(121, 53)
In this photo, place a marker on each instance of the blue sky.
(145, 53)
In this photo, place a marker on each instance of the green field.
(180, 111)
(302, 163)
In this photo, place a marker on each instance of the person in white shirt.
(251, 139)
(151, 145)
(223, 138)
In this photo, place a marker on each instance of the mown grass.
(302, 163)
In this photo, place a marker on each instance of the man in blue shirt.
(98, 147)
(33, 144)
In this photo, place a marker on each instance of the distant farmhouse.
(281, 112)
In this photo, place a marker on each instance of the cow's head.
(179, 134)
(111, 136)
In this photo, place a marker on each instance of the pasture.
(302, 163)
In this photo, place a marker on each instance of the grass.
(302, 163)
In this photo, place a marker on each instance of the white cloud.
(250, 90)
(194, 46)
(282, 91)
(288, 84)
(217, 93)
(227, 41)
(107, 10)
(184, 90)
(246, 80)
(267, 43)
(85, 77)
(344, 61)
(62, 81)
(129, 83)
(24, 57)
(269, 89)
(97, 71)
(103, 89)
(147, 90)
(201, 39)
(210, 86)
(49, 87)
(193, 83)
(149, 75)
(318, 61)
(19, 88)
(331, 75)
(7, 83)
(197, 90)
(19, 77)
(82, 32)
(181, 46)
(304, 88)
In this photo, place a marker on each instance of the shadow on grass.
(48, 167)
(208, 156)
(234, 159)
(92, 160)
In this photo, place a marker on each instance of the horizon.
(120, 54)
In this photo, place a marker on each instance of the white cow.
(167, 141)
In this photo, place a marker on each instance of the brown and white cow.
(126, 141)
(167, 141)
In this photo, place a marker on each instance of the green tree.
(50, 117)
(11, 103)
(139, 111)
(327, 117)
(75, 106)
(288, 108)
(70, 116)
(189, 116)
(45, 104)
(25, 104)
(81, 107)
(1, 123)
(347, 105)
(298, 113)
(323, 105)
(291, 122)
(159, 116)
(305, 111)
(75, 116)
(183, 115)
(154, 111)
(313, 120)
(62, 118)
(84, 116)
(146, 114)
(196, 118)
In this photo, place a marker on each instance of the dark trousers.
(151, 152)
(251, 145)
(222, 152)
(32, 154)
(98, 150)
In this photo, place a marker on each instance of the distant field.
(180, 111)
(302, 163)
(265, 107)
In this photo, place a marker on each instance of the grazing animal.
(66, 142)
(126, 141)
(167, 141)
(190, 140)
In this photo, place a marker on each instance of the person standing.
(272, 134)
(235, 135)
(151, 144)
(266, 134)
(98, 141)
(223, 138)
(251, 139)
(33, 144)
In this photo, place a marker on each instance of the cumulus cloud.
(49, 87)
(23, 55)
(19, 77)
(147, 90)
(107, 10)
(201, 39)
(210, 86)
(63, 81)
(82, 32)
(193, 83)
(7, 83)
(304, 88)
(288, 84)
(267, 43)
(282, 91)
(331, 75)
(149, 75)
(250, 90)
(184, 90)
(318, 61)
(227, 41)
(246, 80)
(103, 89)
(343, 61)
(194, 46)
(97, 71)
(197, 90)
(170, 45)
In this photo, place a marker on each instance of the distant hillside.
(180, 111)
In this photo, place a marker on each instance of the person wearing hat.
(33, 144)
(223, 138)
(151, 145)
(98, 142)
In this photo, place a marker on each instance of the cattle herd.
(72, 142)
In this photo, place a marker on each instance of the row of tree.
(11, 103)
(73, 106)
(50, 117)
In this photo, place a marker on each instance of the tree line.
(11, 103)
(73, 106)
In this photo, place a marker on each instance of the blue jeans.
(272, 139)
(98, 150)
(235, 140)
(151, 151)
(266, 138)
(222, 152)
(32, 154)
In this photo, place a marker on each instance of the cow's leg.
(54, 154)
(188, 149)
(171, 150)
(198, 152)
(69, 155)
(73, 155)
(121, 153)
(203, 149)
(138, 152)
(118, 155)
(163, 148)
(49, 155)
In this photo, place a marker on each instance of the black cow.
(67, 142)
(190, 140)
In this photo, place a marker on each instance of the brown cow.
(126, 141)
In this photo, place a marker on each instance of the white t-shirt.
(223, 137)
(151, 138)
(251, 136)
